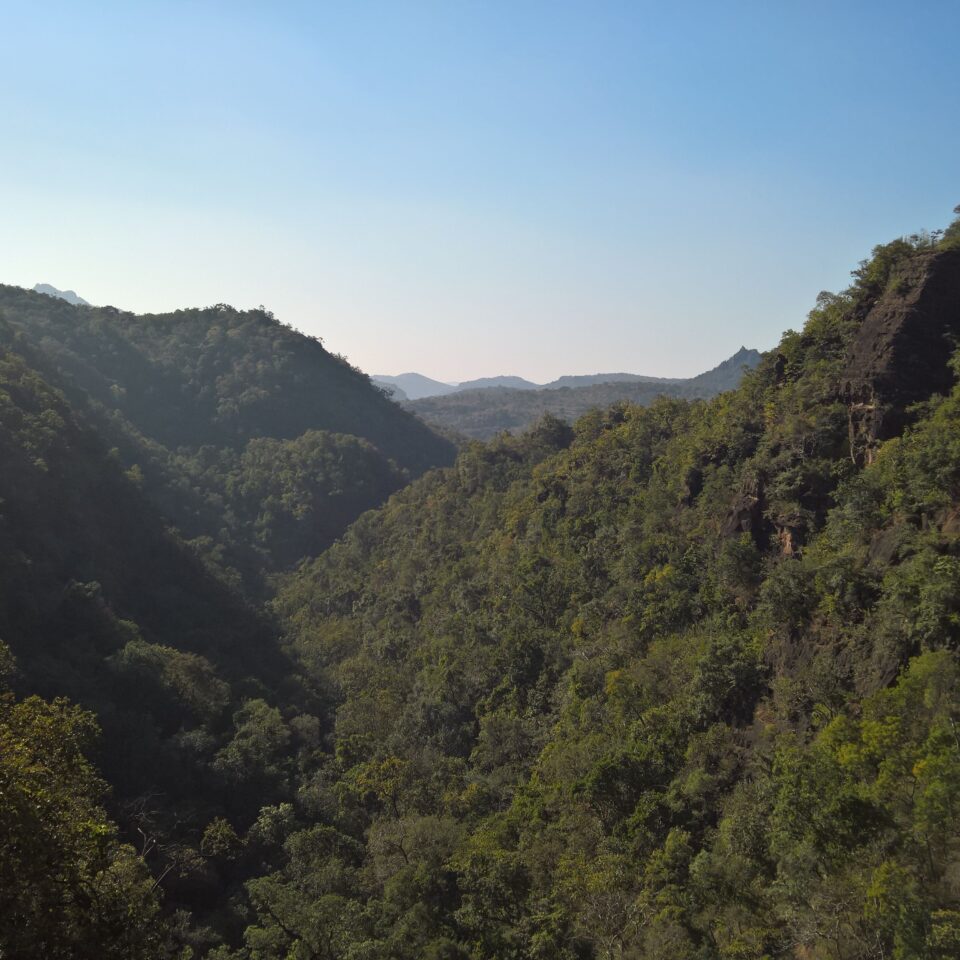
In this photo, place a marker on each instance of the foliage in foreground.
(68, 887)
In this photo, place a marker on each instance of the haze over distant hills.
(70, 296)
(416, 386)
(491, 383)
(592, 378)
(413, 386)
(482, 412)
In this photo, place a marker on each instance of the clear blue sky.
(475, 188)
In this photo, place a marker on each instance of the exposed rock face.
(788, 539)
(901, 352)
(746, 513)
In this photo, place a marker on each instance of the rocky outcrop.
(901, 352)
(746, 514)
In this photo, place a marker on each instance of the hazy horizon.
(402, 373)
(475, 190)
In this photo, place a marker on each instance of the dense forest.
(676, 681)
(480, 414)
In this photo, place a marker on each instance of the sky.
(469, 189)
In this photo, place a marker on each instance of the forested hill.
(215, 376)
(482, 414)
(257, 444)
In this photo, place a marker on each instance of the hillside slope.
(99, 602)
(214, 376)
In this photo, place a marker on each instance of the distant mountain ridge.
(416, 386)
(585, 380)
(492, 383)
(481, 413)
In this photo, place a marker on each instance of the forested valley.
(286, 676)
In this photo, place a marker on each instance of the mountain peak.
(70, 296)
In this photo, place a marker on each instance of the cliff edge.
(902, 350)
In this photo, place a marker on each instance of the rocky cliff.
(901, 353)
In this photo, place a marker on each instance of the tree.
(68, 888)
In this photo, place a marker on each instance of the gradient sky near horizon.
(468, 189)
